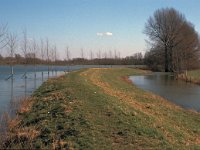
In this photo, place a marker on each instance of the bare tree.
(55, 57)
(67, 52)
(67, 57)
(169, 28)
(51, 56)
(47, 51)
(99, 57)
(115, 53)
(3, 36)
(33, 47)
(24, 44)
(42, 50)
(99, 54)
(12, 45)
(119, 55)
(24, 47)
(91, 55)
(55, 54)
(105, 55)
(82, 53)
(110, 54)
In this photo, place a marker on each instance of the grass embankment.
(101, 109)
(192, 76)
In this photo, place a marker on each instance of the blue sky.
(75, 23)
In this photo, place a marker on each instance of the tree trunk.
(166, 60)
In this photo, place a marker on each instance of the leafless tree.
(169, 29)
(24, 47)
(24, 44)
(42, 50)
(33, 51)
(91, 55)
(55, 54)
(55, 57)
(67, 52)
(3, 36)
(99, 54)
(105, 55)
(51, 56)
(12, 45)
(110, 54)
(115, 53)
(47, 51)
(82, 53)
(119, 55)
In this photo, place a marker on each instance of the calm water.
(12, 90)
(186, 95)
(19, 87)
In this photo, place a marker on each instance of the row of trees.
(31, 50)
(136, 59)
(175, 45)
(26, 50)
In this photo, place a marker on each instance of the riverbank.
(101, 109)
(192, 76)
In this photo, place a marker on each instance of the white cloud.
(108, 33)
(104, 33)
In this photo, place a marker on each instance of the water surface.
(20, 87)
(186, 95)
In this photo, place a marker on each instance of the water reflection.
(12, 86)
(25, 86)
(184, 94)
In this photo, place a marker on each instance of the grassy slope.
(195, 74)
(192, 76)
(98, 109)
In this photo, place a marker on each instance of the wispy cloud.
(99, 34)
(104, 33)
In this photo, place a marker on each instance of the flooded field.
(187, 95)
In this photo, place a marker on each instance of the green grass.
(194, 74)
(73, 111)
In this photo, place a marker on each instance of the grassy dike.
(101, 109)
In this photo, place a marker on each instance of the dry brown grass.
(60, 144)
(188, 79)
(25, 105)
(26, 132)
(10, 129)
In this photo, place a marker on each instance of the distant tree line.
(31, 59)
(175, 45)
(26, 50)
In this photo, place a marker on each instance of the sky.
(91, 25)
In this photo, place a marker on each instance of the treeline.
(136, 59)
(26, 50)
(174, 42)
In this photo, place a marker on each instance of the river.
(186, 95)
